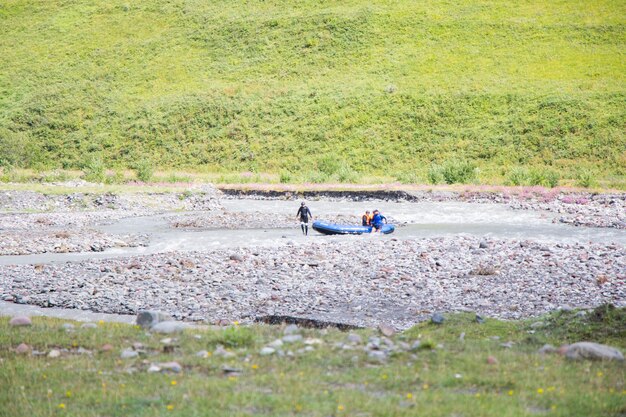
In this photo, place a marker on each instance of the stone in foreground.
(19, 321)
(168, 327)
(148, 318)
(590, 350)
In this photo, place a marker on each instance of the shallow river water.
(415, 220)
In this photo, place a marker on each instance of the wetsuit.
(377, 221)
(304, 213)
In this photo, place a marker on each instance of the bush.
(284, 176)
(519, 176)
(435, 174)
(117, 177)
(329, 165)
(544, 177)
(586, 178)
(235, 337)
(347, 174)
(94, 170)
(144, 170)
(454, 171)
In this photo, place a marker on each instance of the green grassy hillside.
(316, 89)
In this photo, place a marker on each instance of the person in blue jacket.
(378, 220)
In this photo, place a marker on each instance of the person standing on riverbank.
(303, 214)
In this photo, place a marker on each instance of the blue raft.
(340, 229)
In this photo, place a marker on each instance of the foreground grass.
(452, 378)
(317, 90)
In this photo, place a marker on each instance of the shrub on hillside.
(284, 176)
(347, 175)
(454, 171)
(544, 177)
(94, 170)
(144, 170)
(518, 176)
(586, 178)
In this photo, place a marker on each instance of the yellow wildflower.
(409, 395)
(340, 407)
(68, 394)
(540, 391)
(255, 366)
(62, 406)
(169, 407)
(510, 392)
(173, 382)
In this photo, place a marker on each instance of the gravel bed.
(360, 281)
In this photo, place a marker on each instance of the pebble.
(20, 321)
(547, 349)
(386, 330)
(355, 339)
(266, 351)
(203, 354)
(174, 367)
(54, 353)
(22, 348)
(89, 326)
(107, 347)
(128, 354)
(221, 352)
(291, 329)
(168, 327)
(377, 355)
(292, 338)
(276, 343)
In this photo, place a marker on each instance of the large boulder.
(590, 350)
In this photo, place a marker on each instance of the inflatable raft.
(340, 229)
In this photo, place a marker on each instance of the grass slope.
(316, 88)
(452, 379)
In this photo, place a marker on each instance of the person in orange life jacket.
(303, 214)
(377, 221)
(366, 220)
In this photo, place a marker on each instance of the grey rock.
(89, 326)
(292, 329)
(168, 327)
(68, 326)
(437, 318)
(292, 338)
(276, 343)
(128, 354)
(355, 339)
(148, 318)
(386, 330)
(479, 319)
(22, 348)
(153, 369)
(266, 351)
(202, 354)
(20, 321)
(54, 353)
(547, 349)
(590, 350)
(483, 244)
(537, 324)
(221, 352)
(174, 367)
(507, 345)
(377, 355)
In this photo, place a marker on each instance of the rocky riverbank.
(360, 282)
